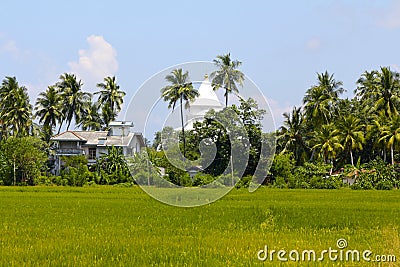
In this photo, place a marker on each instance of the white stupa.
(206, 101)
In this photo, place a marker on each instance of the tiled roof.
(68, 136)
(95, 138)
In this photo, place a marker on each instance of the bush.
(384, 185)
(202, 179)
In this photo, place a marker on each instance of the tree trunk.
(351, 157)
(384, 154)
(391, 153)
(15, 177)
(226, 97)
(69, 123)
(183, 132)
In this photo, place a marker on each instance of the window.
(92, 153)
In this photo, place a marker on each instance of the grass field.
(108, 226)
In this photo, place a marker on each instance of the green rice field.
(111, 226)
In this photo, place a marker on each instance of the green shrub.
(202, 179)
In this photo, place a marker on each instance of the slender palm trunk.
(69, 123)
(384, 154)
(351, 157)
(391, 153)
(14, 170)
(183, 132)
(226, 97)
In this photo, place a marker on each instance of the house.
(93, 144)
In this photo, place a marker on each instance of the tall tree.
(388, 92)
(351, 134)
(180, 89)
(74, 99)
(91, 120)
(227, 75)
(292, 134)
(320, 100)
(15, 109)
(49, 110)
(326, 141)
(392, 135)
(111, 96)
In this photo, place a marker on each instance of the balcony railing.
(69, 151)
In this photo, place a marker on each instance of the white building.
(93, 144)
(206, 101)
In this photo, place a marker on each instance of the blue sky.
(282, 44)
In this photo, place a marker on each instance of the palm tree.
(74, 99)
(179, 89)
(327, 141)
(392, 134)
(48, 110)
(292, 133)
(376, 130)
(367, 85)
(227, 75)
(91, 120)
(15, 109)
(350, 130)
(320, 100)
(388, 91)
(110, 95)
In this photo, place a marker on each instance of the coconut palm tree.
(320, 100)
(74, 99)
(366, 85)
(376, 130)
(227, 75)
(110, 95)
(350, 130)
(392, 134)
(15, 109)
(327, 143)
(387, 94)
(180, 89)
(292, 133)
(91, 119)
(48, 110)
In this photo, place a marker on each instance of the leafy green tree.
(292, 134)
(48, 110)
(15, 109)
(326, 141)
(114, 163)
(320, 101)
(391, 135)
(387, 95)
(26, 157)
(91, 120)
(227, 75)
(351, 134)
(74, 99)
(180, 89)
(110, 99)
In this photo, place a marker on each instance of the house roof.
(68, 136)
(97, 138)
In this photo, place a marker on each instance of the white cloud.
(96, 62)
(390, 17)
(313, 44)
(9, 47)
